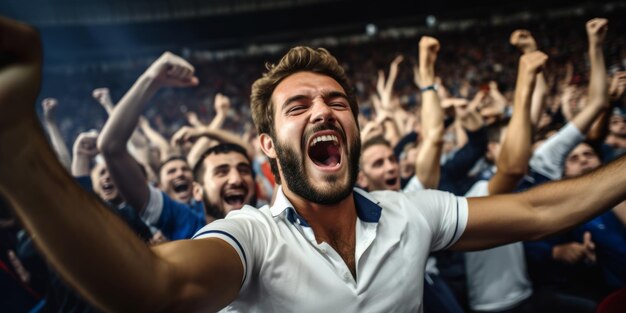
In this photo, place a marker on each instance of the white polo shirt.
(286, 270)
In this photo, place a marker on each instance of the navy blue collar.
(366, 209)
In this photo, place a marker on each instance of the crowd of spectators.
(477, 70)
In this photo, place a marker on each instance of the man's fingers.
(587, 242)
(597, 24)
(430, 43)
(533, 61)
(173, 71)
(398, 60)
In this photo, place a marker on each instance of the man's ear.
(362, 181)
(267, 145)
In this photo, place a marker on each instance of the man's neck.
(325, 220)
(334, 224)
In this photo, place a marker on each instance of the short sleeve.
(445, 213)
(247, 232)
(152, 212)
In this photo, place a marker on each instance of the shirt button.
(346, 276)
(298, 220)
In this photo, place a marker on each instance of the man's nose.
(390, 166)
(321, 112)
(234, 177)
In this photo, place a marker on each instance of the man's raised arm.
(427, 167)
(91, 247)
(49, 106)
(512, 160)
(595, 114)
(525, 42)
(168, 70)
(543, 210)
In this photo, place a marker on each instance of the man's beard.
(212, 210)
(295, 177)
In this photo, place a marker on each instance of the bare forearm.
(124, 117)
(80, 166)
(62, 210)
(538, 102)
(620, 212)
(544, 210)
(432, 113)
(57, 143)
(218, 121)
(155, 138)
(566, 203)
(515, 151)
(226, 136)
(598, 86)
(427, 164)
(598, 92)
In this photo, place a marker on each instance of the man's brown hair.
(298, 59)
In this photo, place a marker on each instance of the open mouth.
(181, 186)
(235, 198)
(391, 181)
(324, 151)
(108, 187)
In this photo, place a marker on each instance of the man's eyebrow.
(220, 167)
(293, 99)
(326, 95)
(244, 164)
(335, 94)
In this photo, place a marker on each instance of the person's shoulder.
(380, 196)
(389, 199)
(247, 220)
(250, 214)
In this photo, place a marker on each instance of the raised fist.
(49, 105)
(523, 40)
(532, 62)
(596, 30)
(428, 49)
(102, 95)
(85, 144)
(170, 70)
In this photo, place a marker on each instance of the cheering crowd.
(470, 115)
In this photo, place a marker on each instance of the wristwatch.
(432, 87)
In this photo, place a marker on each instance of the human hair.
(170, 159)
(298, 59)
(373, 141)
(222, 148)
